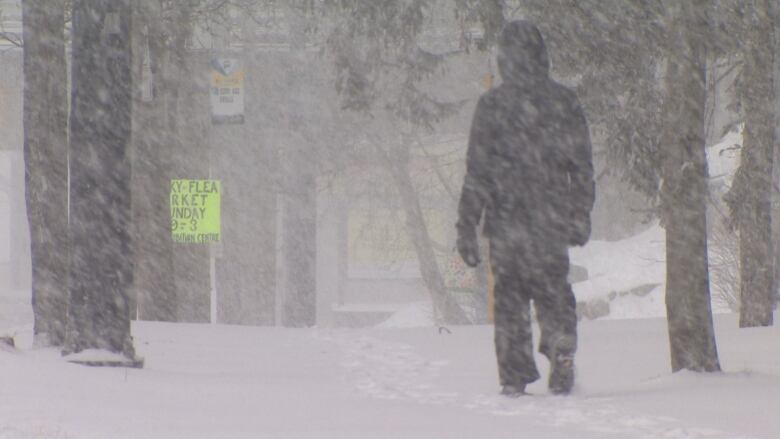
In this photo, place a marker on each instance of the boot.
(561, 374)
(511, 391)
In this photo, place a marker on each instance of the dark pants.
(524, 272)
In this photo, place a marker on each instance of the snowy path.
(395, 371)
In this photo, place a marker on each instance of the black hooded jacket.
(529, 163)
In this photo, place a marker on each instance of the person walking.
(529, 171)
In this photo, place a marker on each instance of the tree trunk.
(152, 242)
(776, 150)
(684, 192)
(101, 259)
(754, 197)
(46, 164)
(446, 309)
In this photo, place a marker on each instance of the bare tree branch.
(12, 38)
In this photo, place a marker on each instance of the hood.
(522, 55)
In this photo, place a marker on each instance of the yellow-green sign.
(195, 211)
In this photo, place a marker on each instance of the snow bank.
(628, 275)
(413, 315)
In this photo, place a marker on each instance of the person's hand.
(579, 232)
(468, 247)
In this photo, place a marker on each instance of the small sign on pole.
(227, 91)
(195, 211)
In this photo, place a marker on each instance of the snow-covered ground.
(203, 381)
